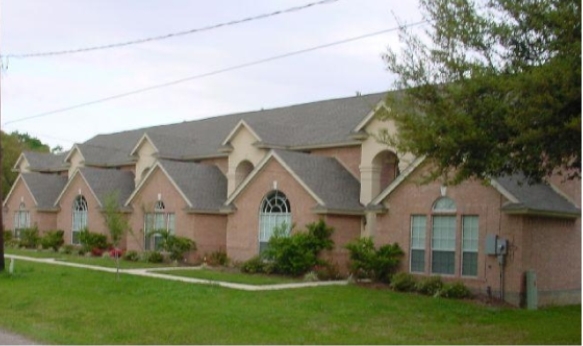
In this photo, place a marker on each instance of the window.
(159, 220)
(275, 211)
(21, 220)
(470, 246)
(444, 205)
(418, 224)
(79, 218)
(443, 245)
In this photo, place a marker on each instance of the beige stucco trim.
(150, 172)
(503, 191)
(257, 169)
(72, 151)
(236, 128)
(395, 183)
(364, 122)
(144, 137)
(21, 160)
(70, 181)
(19, 178)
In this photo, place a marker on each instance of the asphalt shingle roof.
(537, 197)
(205, 186)
(45, 161)
(105, 181)
(327, 178)
(45, 188)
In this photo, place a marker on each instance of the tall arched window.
(21, 220)
(159, 220)
(79, 218)
(275, 211)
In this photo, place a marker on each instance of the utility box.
(531, 290)
(490, 248)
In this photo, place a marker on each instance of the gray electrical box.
(495, 245)
(490, 248)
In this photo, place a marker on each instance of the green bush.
(53, 240)
(253, 265)
(327, 271)
(154, 257)
(131, 256)
(218, 258)
(378, 265)
(10, 241)
(178, 246)
(90, 241)
(403, 282)
(8, 236)
(456, 290)
(297, 254)
(29, 238)
(429, 286)
(67, 249)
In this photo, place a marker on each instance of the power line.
(167, 36)
(212, 73)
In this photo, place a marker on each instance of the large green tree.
(491, 88)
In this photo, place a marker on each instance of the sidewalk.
(7, 338)
(148, 273)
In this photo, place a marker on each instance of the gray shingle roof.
(536, 198)
(45, 188)
(311, 124)
(45, 162)
(105, 181)
(327, 178)
(205, 186)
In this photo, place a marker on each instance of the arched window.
(21, 220)
(385, 169)
(444, 205)
(79, 218)
(159, 220)
(275, 210)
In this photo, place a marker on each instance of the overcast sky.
(32, 86)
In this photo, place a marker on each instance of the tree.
(116, 222)
(492, 89)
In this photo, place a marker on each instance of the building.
(226, 181)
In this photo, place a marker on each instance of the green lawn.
(234, 277)
(96, 261)
(63, 305)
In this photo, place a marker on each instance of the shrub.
(429, 286)
(53, 240)
(178, 246)
(90, 241)
(154, 257)
(97, 252)
(29, 238)
(456, 290)
(115, 253)
(8, 236)
(378, 265)
(253, 265)
(311, 276)
(403, 282)
(218, 258)
(298, 253)
(67, 249)
(327, 271)
(131, 256)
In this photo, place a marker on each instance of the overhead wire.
(212, 73)
(167, 36)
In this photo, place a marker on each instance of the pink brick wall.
(346, 230)
(348, 156)
(45, 221)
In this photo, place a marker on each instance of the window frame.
(21, 216)
(79, 218)
(475, 251)
(273, 215)
(412, 247)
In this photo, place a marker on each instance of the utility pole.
(2, 261)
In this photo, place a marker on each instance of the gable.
(157, 185)
(19, 191)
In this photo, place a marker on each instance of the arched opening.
(79, 221)
(275, 212)
(385, 168)
(242, 171)
(156, 223)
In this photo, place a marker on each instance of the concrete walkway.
(7, 338)
(149, 273)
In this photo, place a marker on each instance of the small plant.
(154, 257)
(456, 290)
(115, 253)
(378, 265)
(253, 265)
(53, 240)
(179, 246)
(67, 249)
(97, 252)
(8, 236)
(131, 256)
(327, 271)
(311, 276)
(403, 282)
(29, 238)
(90, 241)
(429, 286)
(218, 258)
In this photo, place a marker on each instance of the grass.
(228, 276)
(62, 305)
(96, 261)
